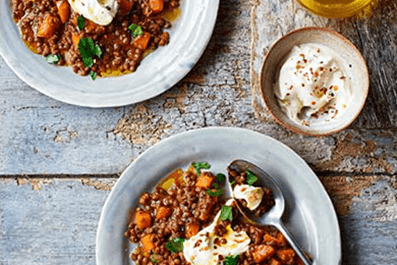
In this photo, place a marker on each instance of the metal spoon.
(273, 216)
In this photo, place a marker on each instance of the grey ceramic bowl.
(354, 65)
(159, 71)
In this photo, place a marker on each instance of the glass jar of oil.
(335, 8)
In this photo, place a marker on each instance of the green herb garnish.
(220, 178)
(88, 61)
(231, 260)
(53, 58)
(251, 178)
(87, 49)
(216, 193)
(93, 75)
(135, 29)
(200, 165)
(80, 22)
(227, 213)
(97, 51)
(175, 245)
(232, 183)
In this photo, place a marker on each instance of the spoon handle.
(293, 243)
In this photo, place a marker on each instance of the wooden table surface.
(58, 162)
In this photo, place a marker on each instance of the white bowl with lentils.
(67, 53)
(150, 213)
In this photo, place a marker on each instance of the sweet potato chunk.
(142, 41)
(204, 181)
(76, 39)
(156, 5)
(163, 212)
(271, 240)
(286, 255)
(283, 240)
(49, 26)
(143, 220)
(263, 252)
(192, 229)
(274, 262)
(147, 242)
(63, 10)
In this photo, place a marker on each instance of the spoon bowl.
(273, 216)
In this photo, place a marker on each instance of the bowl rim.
(267, 101)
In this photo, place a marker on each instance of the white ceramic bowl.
(354, 66)
(158, 72)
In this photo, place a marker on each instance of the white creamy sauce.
(101, 12)
(312, 86)
(202, 248)
(252, 195)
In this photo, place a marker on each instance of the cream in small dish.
(312, 86)
(314, 81)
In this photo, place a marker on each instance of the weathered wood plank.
(39, 135)
(48, 221)
(367, 210)
(54, 221)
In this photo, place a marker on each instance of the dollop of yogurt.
(252, 195)
(101, 12)
(205, 248)
(312, 85)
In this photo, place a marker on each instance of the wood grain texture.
(39, 135)
(53, 224)
(367, 211)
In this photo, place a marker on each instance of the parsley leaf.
(227, 213)
(220, 178)
(251, 178)
(87, 49)
(175, 245)
(53, 58)
(231, 260)
(216, 193)
(135, 29)
(200, 165)
(88, 61)
(93, 75)
(97, 51)
(80, 22)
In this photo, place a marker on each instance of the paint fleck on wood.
(141, 128)
(99, 184)
(342, 190)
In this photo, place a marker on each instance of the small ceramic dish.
(352, 63)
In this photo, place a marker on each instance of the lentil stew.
(53, 29)
(182, 208)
